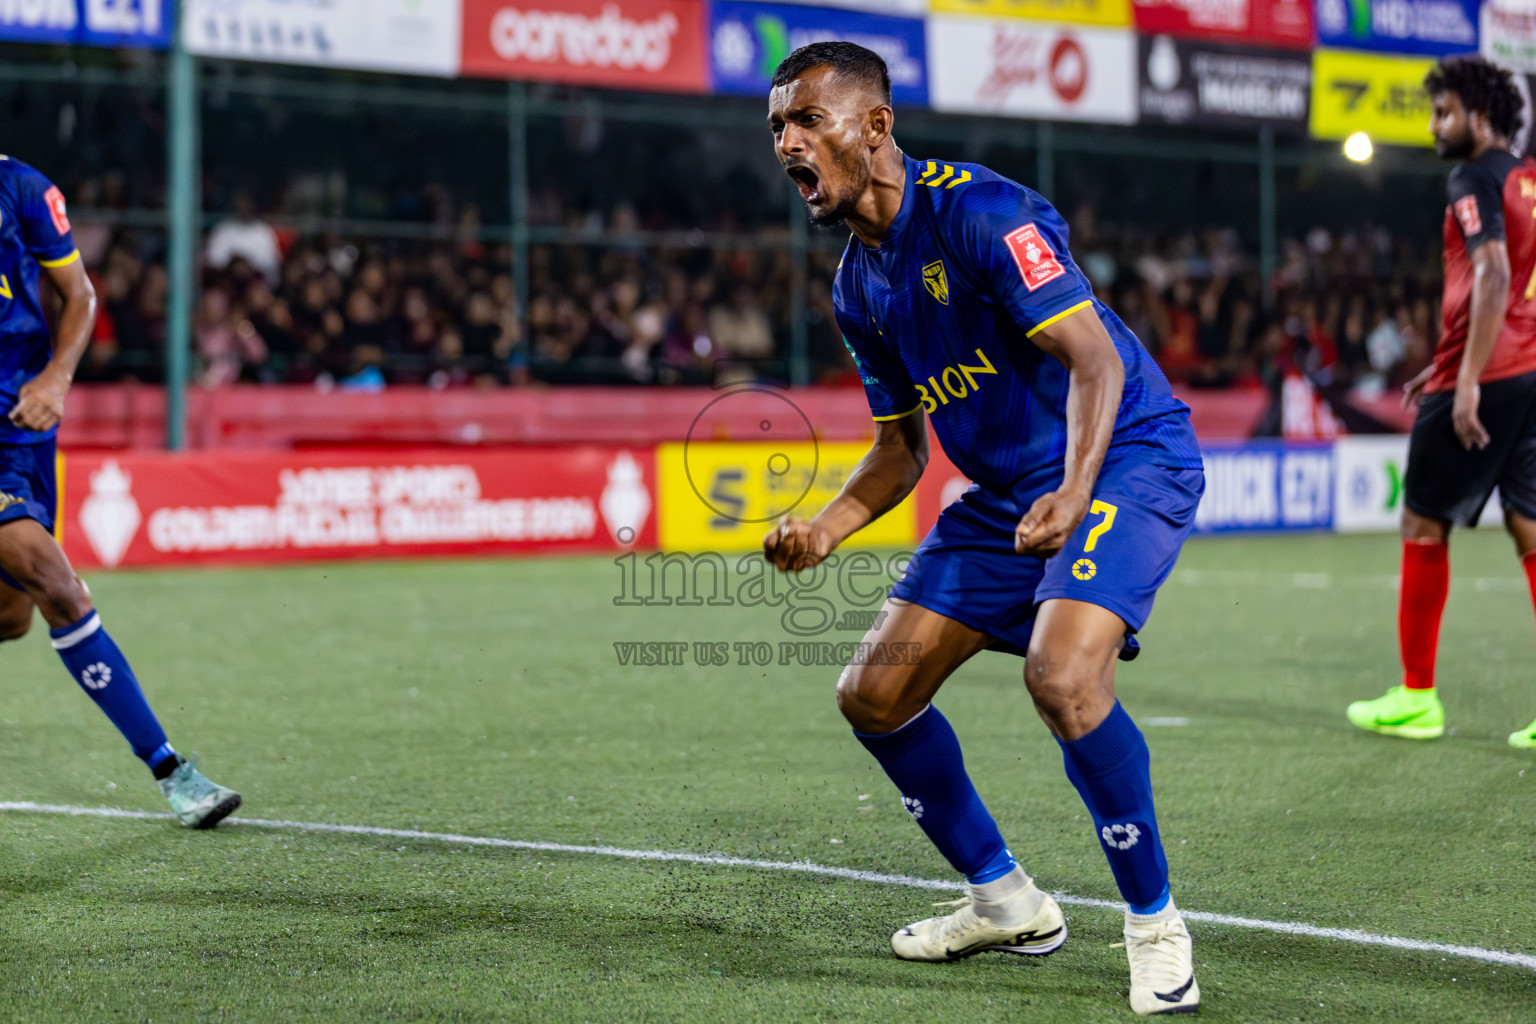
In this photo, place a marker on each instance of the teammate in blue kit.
(959, 300)
(35, 374)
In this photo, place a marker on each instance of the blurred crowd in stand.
(1359, 308)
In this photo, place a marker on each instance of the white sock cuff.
(87, 629)
(1168, 911)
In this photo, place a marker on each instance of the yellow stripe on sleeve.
(62, 262)
(1059, 316)
(899, 415)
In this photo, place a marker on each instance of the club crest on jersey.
(1037, 263)
(1466, 212)
(56, 210)
(936, 282)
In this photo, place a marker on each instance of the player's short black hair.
(1483, 86)
(848, 61)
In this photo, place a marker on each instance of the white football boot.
(1162, 963)
(1028, 923)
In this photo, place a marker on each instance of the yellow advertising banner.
(1382, 96)
(724, 497)
(1112, 13)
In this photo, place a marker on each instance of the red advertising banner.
(656, 45)
(142, 509)
(940, 484)
(1282, 23)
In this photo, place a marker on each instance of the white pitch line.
(1311, 931)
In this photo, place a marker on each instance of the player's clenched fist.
(797, 544)
(40, 402)
(1049, 523)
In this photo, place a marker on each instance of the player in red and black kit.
(1476, 424)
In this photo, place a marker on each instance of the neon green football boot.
(1524, 739)
(1409, 714)
(197, 800)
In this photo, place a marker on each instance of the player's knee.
(1422, 529)
(869, 700)
(58, 592)
(1058, 675)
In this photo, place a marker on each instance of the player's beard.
(1455, 147)
(846, 202)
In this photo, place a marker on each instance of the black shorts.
(1445, 481)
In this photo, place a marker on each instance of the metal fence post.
(1268, 228)
(1045, 158)
(183, 212)
(517, 162)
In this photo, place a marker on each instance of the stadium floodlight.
(1358, 148)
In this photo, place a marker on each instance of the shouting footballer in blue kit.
(960, 303)
(35, 374)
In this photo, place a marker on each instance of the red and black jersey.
(1492, 197)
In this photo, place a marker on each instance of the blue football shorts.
(966, 568)
(28, 487)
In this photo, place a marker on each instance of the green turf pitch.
(486, 698)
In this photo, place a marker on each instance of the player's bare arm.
(877, 484)
(1490, 296)
(40, 401)
(1097, 379)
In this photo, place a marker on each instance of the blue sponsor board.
(1266, 485)
(137, 23)
(1433, 27)
(748, 40)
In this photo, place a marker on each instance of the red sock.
(1529, 561)
(1426, 580)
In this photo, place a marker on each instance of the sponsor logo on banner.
(1399, 26)
(724, 497)
(1280, 23)
(1266, 486)
(139, 23)
(1198, 83)
(1372, 93)
(1024, 69)
(1108, 13)
(110, 517)
(150, 510)
(748, 40)
(406, 36)
(656, 45)
(1508, 34)
(1368, 485)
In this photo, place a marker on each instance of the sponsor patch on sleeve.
(55, 200)
(1037, 263)
(1466, 212)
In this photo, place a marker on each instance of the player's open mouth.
(806, 180)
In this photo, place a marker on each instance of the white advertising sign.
(1032, 69)
(1368, 484)
(1508, 33)
(408, 36)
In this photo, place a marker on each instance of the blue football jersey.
(34, 233)
(939, 319)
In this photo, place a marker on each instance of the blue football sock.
(923, 758)
(102, 672)
(1112, 770)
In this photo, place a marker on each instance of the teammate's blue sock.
(923, 758)
(1112, 770)
(102, 672)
